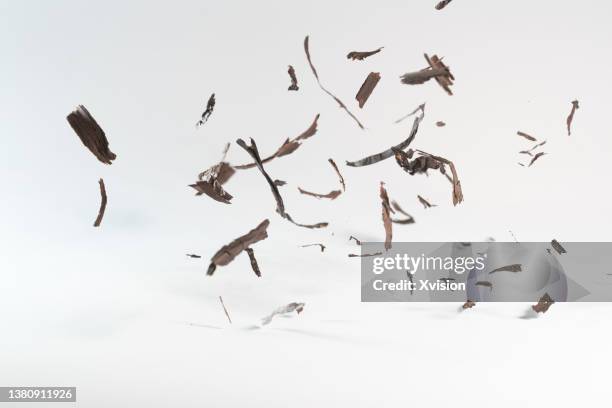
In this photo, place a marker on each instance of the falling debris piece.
(442, 4)
(486, 284)
(253, 260)
(421, 107)
(457, 192)
(440, 124)
(291, 307)
(279, 183)
(338, 173)
(570, 118)
(437, 70)
(536, 157)
(314, 71)
(211, 180)
(311, 245)
(225, 309)
(386, 216)
(280, 206)
(294, 85)
(425, 203)
(91, 134)
(193, 256)
(210, 106)
(396, 207)
(375, 158)
(526, 136)
(103, 201)
(364, 255)
(508, 268)
(543, 304)
(358, 242)
(361, 55)
(290, 145)
(468, 305)
(558, 247)
(332, 195)
(230, 251)
(367, 88)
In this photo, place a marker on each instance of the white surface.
(112, 307)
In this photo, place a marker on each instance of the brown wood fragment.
(486, 284)
(421, 76)
(294, 84)
(446, 80)
(361, 55)
(536, 157)
(508, 268)
(364, 255)
(331, 161)
(386, 216)
(227, 253)
(526, 136)
(442, 4)
(558, 247)
(103, 202)
(570, 117)
(193, 255)
(543, 304)
(440, 124)
(367, 88)
(225, 310)
(332, 195)
(288, 147)
(358, 242)
(91, 134)
(468, 305)
(210, 106)
(396, 207)
(279, 183)
(316, 75)
(426, 204)
(311, 245)
(253, 260)
(212, 189)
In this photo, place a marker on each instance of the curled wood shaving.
(536, 157)
(440, 124)
(396, 207)
(457, 192)
(193, 256)
(360, 55)
(294, 84)
(375, 158)
(91, 134)
(230, 251)
(331, 161)
(289, 146)
(314, 71)
(253, 260)
(570, 117)
(367, 88)
(442, 4)
(103, 201)
(526, 136)
(558, 247)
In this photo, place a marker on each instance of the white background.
(122, 314)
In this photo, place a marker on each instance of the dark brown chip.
(442, 4)
(294, 84)
(426, 204)
(91, 134)
(103, 201)
(526, 136)
(334, 97)
(210, 106)
(543, 304)
(360, 55)
(193, 256)
(570, 117)
(469, 304)
(230, 251)
(386, 216)
(536, 157)
(367, 87)
(331, 161)
(253, 260)
(508, 268)
(558, 247)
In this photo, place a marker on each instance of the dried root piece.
(468, 305)
(361, 55)
(210, 106)
(558, 247)
(442, 4)
(311, 245)
(290, 145)
(543, 304)
(291, 307)
(426, 204)
(386, 216)
(280, 205)
(253, 260)
(508, 268)
(367, 88)
(314, 71)
(225, 310)
(103, 201)
(570, 117)
(375, 158)
(396, 207)
(294, 84)
(91, 134)
(230, 251)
